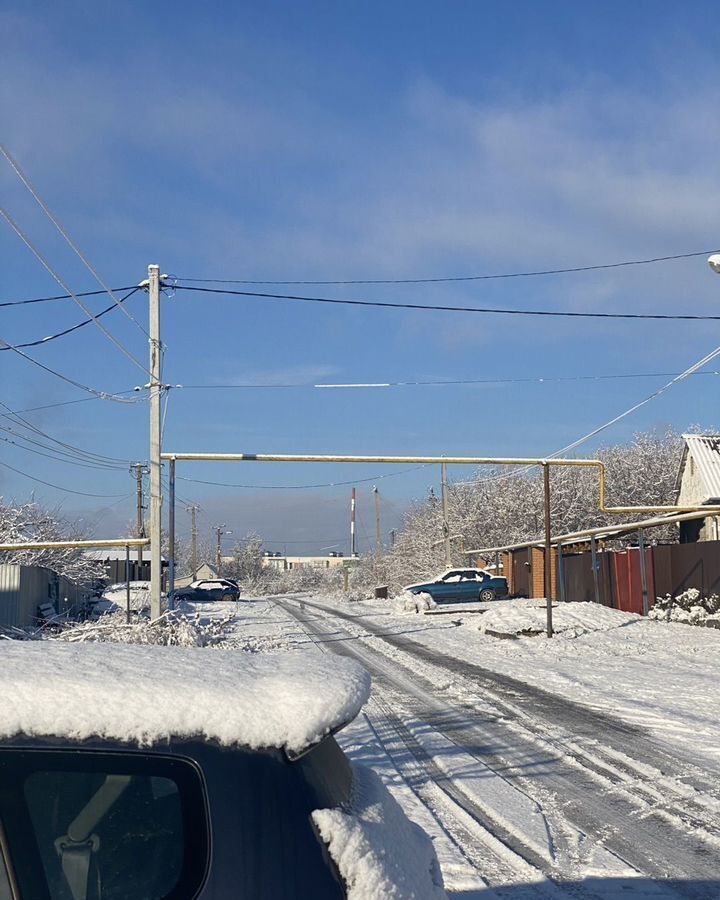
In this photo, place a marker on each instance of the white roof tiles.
(705, 452)
(145, 695)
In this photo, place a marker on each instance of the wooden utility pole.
(378, 534)
(218, 556)
(155, 387)
(193, 544)
(353, 552)
(445, 525)
(140, 469)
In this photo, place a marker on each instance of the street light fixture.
(714, 262)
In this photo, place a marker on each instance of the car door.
(447, 588)
(468, 586)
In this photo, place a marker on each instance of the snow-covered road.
(522, 779)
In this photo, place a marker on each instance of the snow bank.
(147, 694)
(528, 617)
(379, 852)
(416, 603)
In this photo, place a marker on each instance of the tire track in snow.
(529, 863)
(492, 853)
(568, 784)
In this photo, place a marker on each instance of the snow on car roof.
(144, 695)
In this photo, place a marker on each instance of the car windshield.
(102, 826)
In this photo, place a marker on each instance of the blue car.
(463, 584)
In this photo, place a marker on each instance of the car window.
(101, 826)
(451, 576)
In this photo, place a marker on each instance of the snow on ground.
(659, 675)
(656, 675)
(529, 617)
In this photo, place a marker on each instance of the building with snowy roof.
(698, 484)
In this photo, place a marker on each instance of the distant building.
(113, 558)
(698, 484)
(287, 563)
(204, 572)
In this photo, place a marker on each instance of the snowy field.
(582, 766)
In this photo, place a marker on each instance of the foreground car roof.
(145, 695)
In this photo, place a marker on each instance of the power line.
(302, 487)
(466, 309)
(6, 303)
(100, 395)
(86, 309)
(452, 278)
(91, 456)
(61, 459)
(82, 324)
(441, 383)
(46, 209)
(58, 487)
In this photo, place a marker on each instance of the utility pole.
(378, 538)
(392, 537)
(445, 526)
(193, 545)
(219, 533)
(155, 444)
(548, 551)
(352, 524)
(140, 470)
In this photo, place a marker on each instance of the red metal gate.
(628, 582)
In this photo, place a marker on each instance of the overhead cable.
(82, 324)
(86, 309)
(46, 209)
(100, 395)
(448, 383)
(6, 303)
(89, 454)
(464, 309)
(450, 278)
(302, 487)
(57, 487)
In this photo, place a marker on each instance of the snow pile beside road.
(146, 695)
(528, 617)
(414, 603)
(689, 608)
(379, 852)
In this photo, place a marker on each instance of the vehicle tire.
(227, 598)
(486, 595)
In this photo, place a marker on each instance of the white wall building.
(698, 484)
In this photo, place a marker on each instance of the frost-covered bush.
(688, 607)
(415, 603)
(170, 629)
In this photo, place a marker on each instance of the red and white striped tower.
(352, 524)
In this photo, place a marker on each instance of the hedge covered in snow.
(688, 607)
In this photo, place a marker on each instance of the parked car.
(169, 772)
(209, 589)
(463, 585)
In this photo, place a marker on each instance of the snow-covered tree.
(505, 506)
(30, 522)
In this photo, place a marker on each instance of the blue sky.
(339, 141)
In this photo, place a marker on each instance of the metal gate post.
(643, 572)
(547, 571)
(596, 585)
(171, 536)
(127, 584)
(561, 574)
